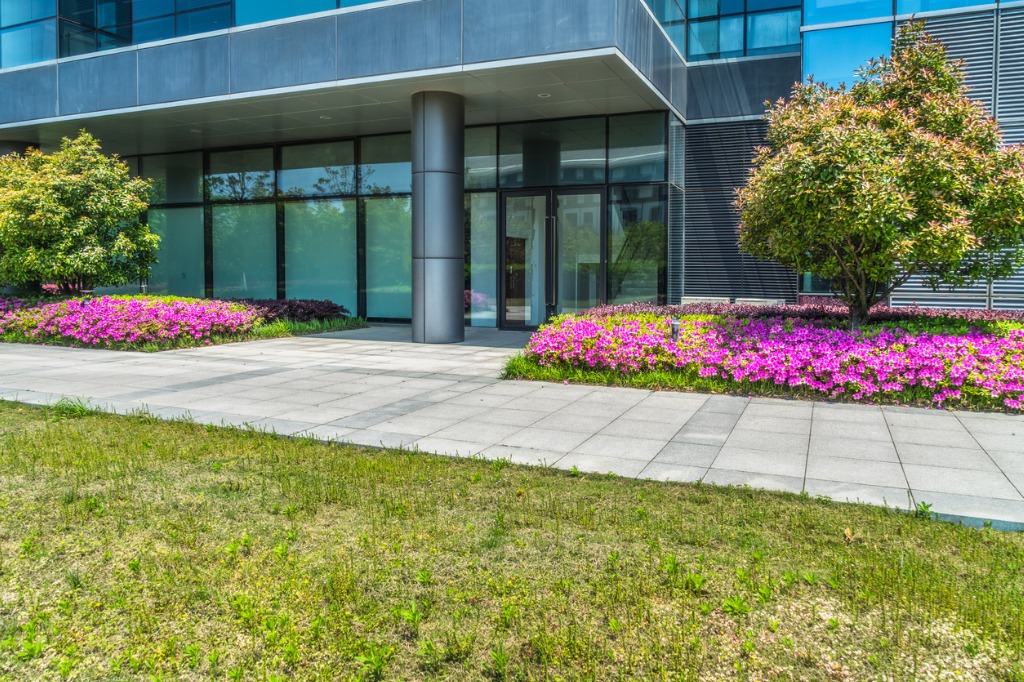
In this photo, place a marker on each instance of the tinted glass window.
(773, 32)
(176, 178)
(637, 243)
(255, 11)
(320, 251)
(28, 43)
(716, 39)
(833, 55)
(204, 20)
(912, 6)
(828, 11)
(482, 158)
(146, 9)
(312, 170)
(21, 11)
(637, 150)
(547, 153)
(241, 175)
(386, 164)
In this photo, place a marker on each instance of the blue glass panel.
(716, 39)
(147, 9)
(355, 3)
(759, 5)
(154, 29)
(182, 5)
(255, 11)
(28, 43)
(711, 8)
(832, 55)
(666, 10)
(20, 11)
(773, 32)
(204, 20)
(912, 6)
(311, 170)
(828, 11)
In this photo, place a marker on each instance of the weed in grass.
(412, 616)
(72, 408)
(923, 509)
(374, 659)
(458, 647)
(497, 668)
(736, 605)
(430, 656)
(694, 582)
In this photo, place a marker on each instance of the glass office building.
(449, 162)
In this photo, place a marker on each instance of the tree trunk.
(858, 315)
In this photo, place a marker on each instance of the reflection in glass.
(176, 178)
(200, 21)
(481, 259)
(578, 251)
(716, 39)
(388, 257)
(482, 158)
(913, 6)
(546, 153)
(22, 11)
(833, 55)
(28, 44)
(313, 170)
(773, 32)
(525, 260)
(255, 11)
(637, 149)
(179, 270)
(241, 175)
(637, 244)
(829, 11)
(244, 251)
(320, 251)
(385, 164)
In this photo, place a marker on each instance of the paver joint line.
(373, 387)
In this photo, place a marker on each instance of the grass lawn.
(139, 549)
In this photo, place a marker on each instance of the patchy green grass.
(139, 549)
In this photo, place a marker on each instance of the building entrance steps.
(375, 387)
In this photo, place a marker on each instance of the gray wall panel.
(739, 88)
(680, 80)
(98, 83)
(420, 35)
(505, 30)
(181, 71)
(28, 94)
(289, 54)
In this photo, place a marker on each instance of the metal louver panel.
(676, 209)
(1010, 73)
(718, 160)
(972, 38)
(916, 292)
(1009, 293)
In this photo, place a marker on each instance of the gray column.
(438, 218)
(8, 147)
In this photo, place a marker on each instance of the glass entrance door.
(552, 254)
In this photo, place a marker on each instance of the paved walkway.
(372, 387)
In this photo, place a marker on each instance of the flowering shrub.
(815, 355)
(297, 310)
(109, 321)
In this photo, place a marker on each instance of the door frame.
(549, 269)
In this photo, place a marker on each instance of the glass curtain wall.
(28, 31)
(287, 221)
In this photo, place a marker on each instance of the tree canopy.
(73, 218)
(901, 174)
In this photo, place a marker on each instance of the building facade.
(452, 162)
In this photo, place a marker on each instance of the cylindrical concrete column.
(438, 218)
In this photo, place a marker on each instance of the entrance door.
(552, 254)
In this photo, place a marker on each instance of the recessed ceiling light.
(325, 118)
(195, 130)
(543, 95)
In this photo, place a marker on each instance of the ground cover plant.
(161, 322)
(972, 359)
(140, 549)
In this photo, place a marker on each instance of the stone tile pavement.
(373, 387)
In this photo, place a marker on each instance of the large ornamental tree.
(73, 218)
(900, 175)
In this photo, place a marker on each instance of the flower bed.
(816, 356)
(157, 322)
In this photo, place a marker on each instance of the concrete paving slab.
(970, 461)
(857, 471)
(679, 473)
(851, 447)
(990, 484)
